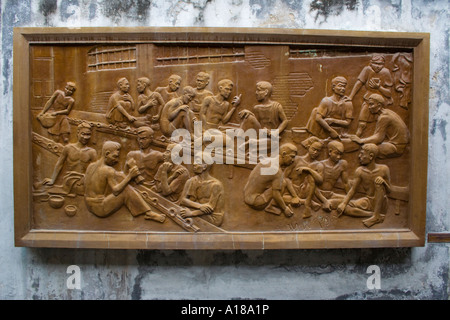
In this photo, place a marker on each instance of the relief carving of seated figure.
(265, 190)
(170, 177)
(334, 114)
(146, 159)
(170, 91)
(201, 92)
(108, 190)
(334, 169)
(149, 103)
(216, 109)
(121, 106)
(374, 180)
(268, 114)
(391, 133)
(75, 157)
(204, 194)
(305, 174)
(176, 113)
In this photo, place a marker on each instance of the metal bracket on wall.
(441, 237)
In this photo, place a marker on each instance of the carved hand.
(341, 208)
(300, 170)
(244, 114)
(48, 182)
(206, 209)
(329, 120)
(236, 100)
(134, 172)
(288, 211)
(374, 83)
(355, 138)
(154, 102)
(326, 205)
(126, 97)
(181, 171)
(334, 134)
(380, 180)
(296, 201)
(166, 166)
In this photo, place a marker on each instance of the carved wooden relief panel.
(219, 138)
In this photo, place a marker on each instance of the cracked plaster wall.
(417, 273)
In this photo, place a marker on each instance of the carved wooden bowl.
(56, 201)
(70, 210)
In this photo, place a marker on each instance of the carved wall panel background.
(334, 193)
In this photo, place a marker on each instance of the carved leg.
(311, 188)
(379, 207)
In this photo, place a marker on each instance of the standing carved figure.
(377, 79)
(402, 71)
(374, 179)
(108, 190)
(56, 122)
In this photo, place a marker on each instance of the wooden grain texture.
(413, 234)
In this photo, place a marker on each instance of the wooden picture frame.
(32, 230)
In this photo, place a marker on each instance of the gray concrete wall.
(406, 273)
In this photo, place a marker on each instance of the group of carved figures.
(301, 179)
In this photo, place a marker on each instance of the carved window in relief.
(178, 55)
(111, 58)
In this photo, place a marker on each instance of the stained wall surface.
(406, 273)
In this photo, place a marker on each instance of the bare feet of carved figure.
(150, 215)
(307, 212)
(376, 218)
